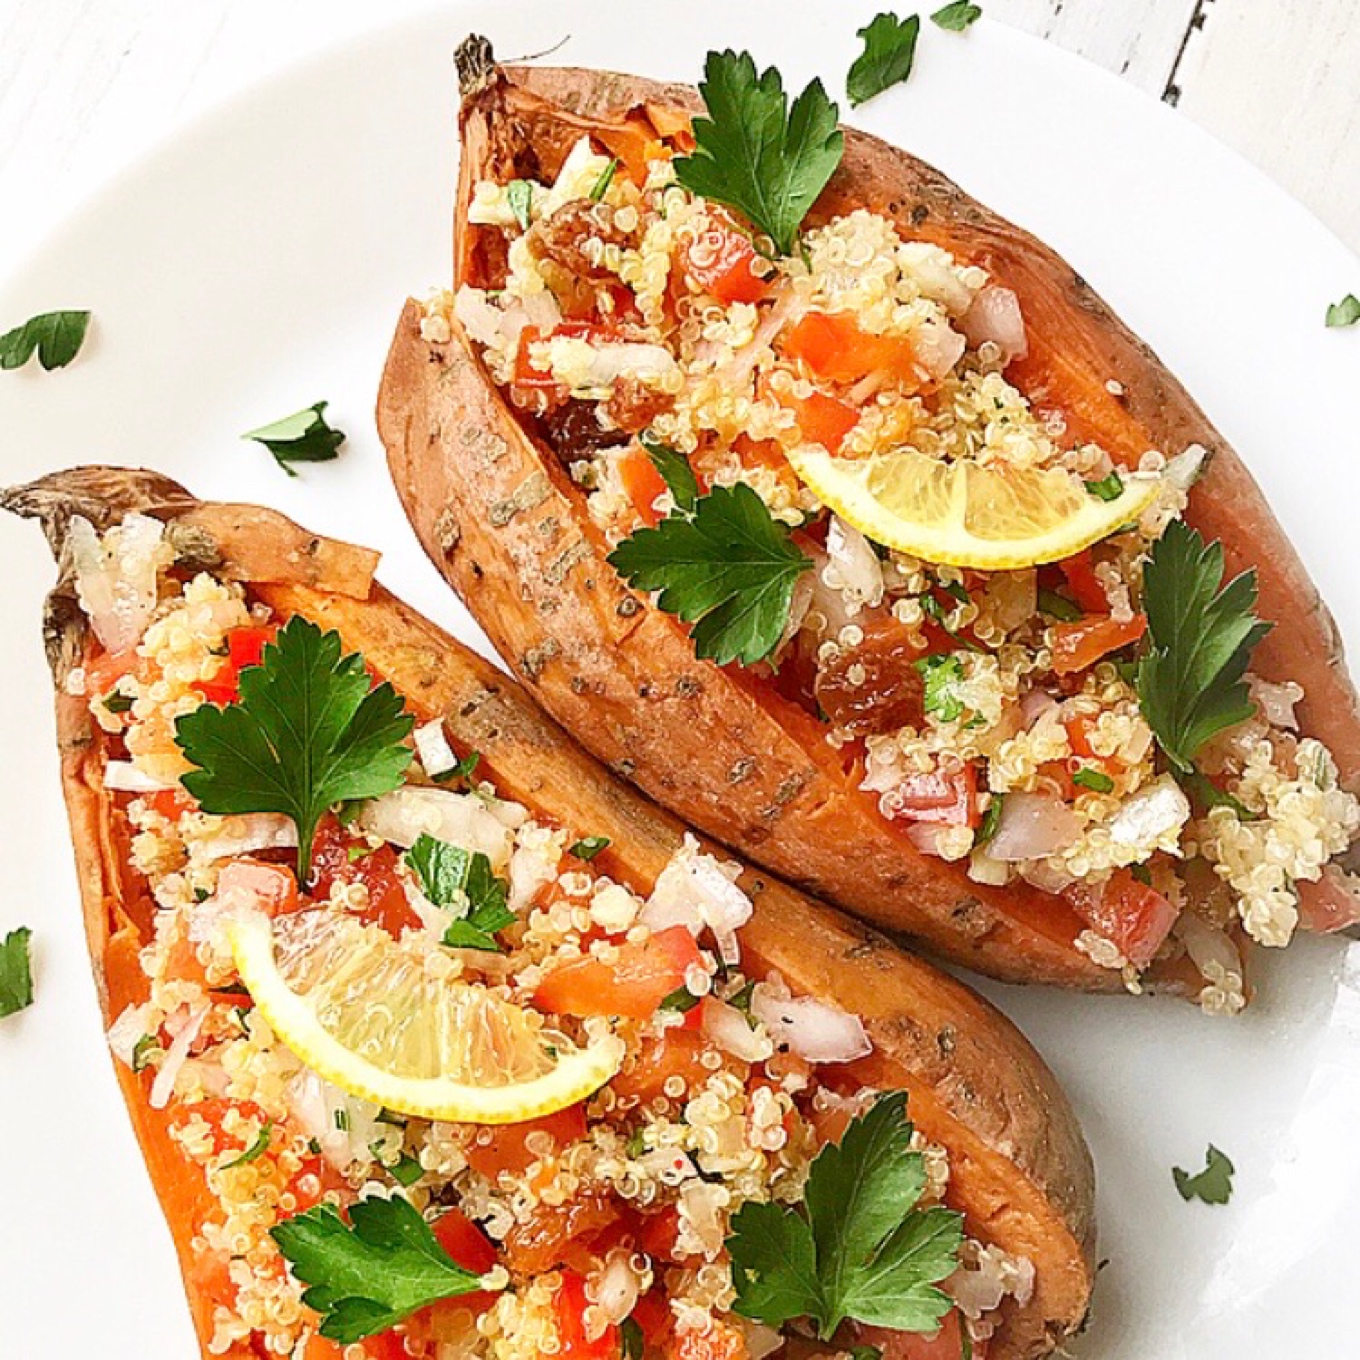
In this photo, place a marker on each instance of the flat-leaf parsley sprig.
(756, 154)
(859, 1247)
(310, 730)
(1201, 636)
(721, 562)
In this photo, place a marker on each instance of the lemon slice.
(374, 1017)
(964, 514)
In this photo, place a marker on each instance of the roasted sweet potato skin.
(1019, 1166)
(499, 517)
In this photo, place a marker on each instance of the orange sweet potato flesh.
(1019, 1167)
(501, 520)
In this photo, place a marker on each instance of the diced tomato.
(833, 347)
(948, 797)
(245, 647)
(643, 483)
(169, 803)
(1331, 903)
(822, 419)
(944, 1344)
(633, 986)
(270, 887)
(1079, 734)
(653, 1315)
(526, 375)
(213, 1112)
(660, 1232)
(333, 863)
(558, 1234)
(508, 1149)
(678, 1053)
(1080, 644)
(723, 262)
(718, 1341)
(310, 1184)
(1134, 916)
(570, 1306)
(469, 1246)
(107, 669)
(1083, 584)
(389, 1345)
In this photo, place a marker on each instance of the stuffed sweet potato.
(933, 603)
(195, 645)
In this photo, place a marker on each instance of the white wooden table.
(87, 85)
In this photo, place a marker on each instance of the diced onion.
(344, 1126)
(995, 316)
(126, 1031)
(1154, 811)
(125, 777)
(175, 1056)
(699, 891)
(761, 1340)
(932, 270)
(462, 819)
(432, 746)
(852, 567)
(610, 362)
(614, 1290)
(1032, 826)
(812, 1029)
(937, 347)
(731, 1031)
(1276, 702)
(1208, 946)
(250, 832)
(116, 576)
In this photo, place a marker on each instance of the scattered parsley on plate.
(303, 437)
(756, 154)
(1343, 313)
(1213, 1185)
(16, 971)
(453, 877)
(889, 51)
(310, 730)
(956, 17)
(56, 338)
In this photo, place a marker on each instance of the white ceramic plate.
(257, 263)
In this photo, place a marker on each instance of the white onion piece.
(579, 174)
(1276, 702)
(126, 1031)
(786, 309)
(731, 1031)
(932, 271)
(315, 1104)
(164, 1085)
(1207, 945)
(126, 777)
(478, 315)
(250, 832)
(995, 316)
(1184, 469)
(812, 1029)
(982, 868)
(925, 836)
(610, 362)
(1035, 704)
(432, 746)
(1032, 826)
(697, 891)
(852, 566)
(116, 576)
(938, 347)
(1154, 811)
(614, 1290)
(462, 819)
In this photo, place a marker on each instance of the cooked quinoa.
(630, 1194)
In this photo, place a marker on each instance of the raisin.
(563, 237)
(890, 692)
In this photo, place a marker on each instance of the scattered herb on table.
(303, 437)
(1213, 1185)
(56, 338)
(889, 51)
(956, 17)
(1343, 313)
(16, 971)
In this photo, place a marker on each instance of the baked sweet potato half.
(895, 561)
(190, 644)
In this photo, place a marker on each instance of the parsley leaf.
(367, 1277)
(675, 472)
(753, 153)
(519, 198)
(729, 568)
(308, 731)
(406, 1171)
(451, 877)
(16, 972)
(56, 336)
(1213, 1185)
(859, 1248)
(889, 50)
(588, 847)
(1057, 606)
(942, 675)
(681, 1000)
(1095, 780)
(956, 17)
(1107, 488)
(1201, 637)
(632, 1342)
(1343, 313)
(303, 437)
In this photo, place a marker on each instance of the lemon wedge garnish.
(965, 514)
(375, 1017)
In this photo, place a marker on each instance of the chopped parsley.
(310, 730)
(588, 847)
(1107, 488)
(1095, 780)
(1201, 634)
(145, 1051)
(727, 566)
(1343, 313)
(680, 1000)
(1057, 606)
(1213, 1185)
(452, 877)
(463, 769)
(519, 198)
(956, 17)
(942, 675)
(605, 180)
(632, 1342)
(56, 338)
(303, 437)
(366, 1276)
(256, 1149)
(406, 1171)
(16, 971)
(756, 154)
(858, 1247)
(117, 702)
(991, 819)
(889, 51)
